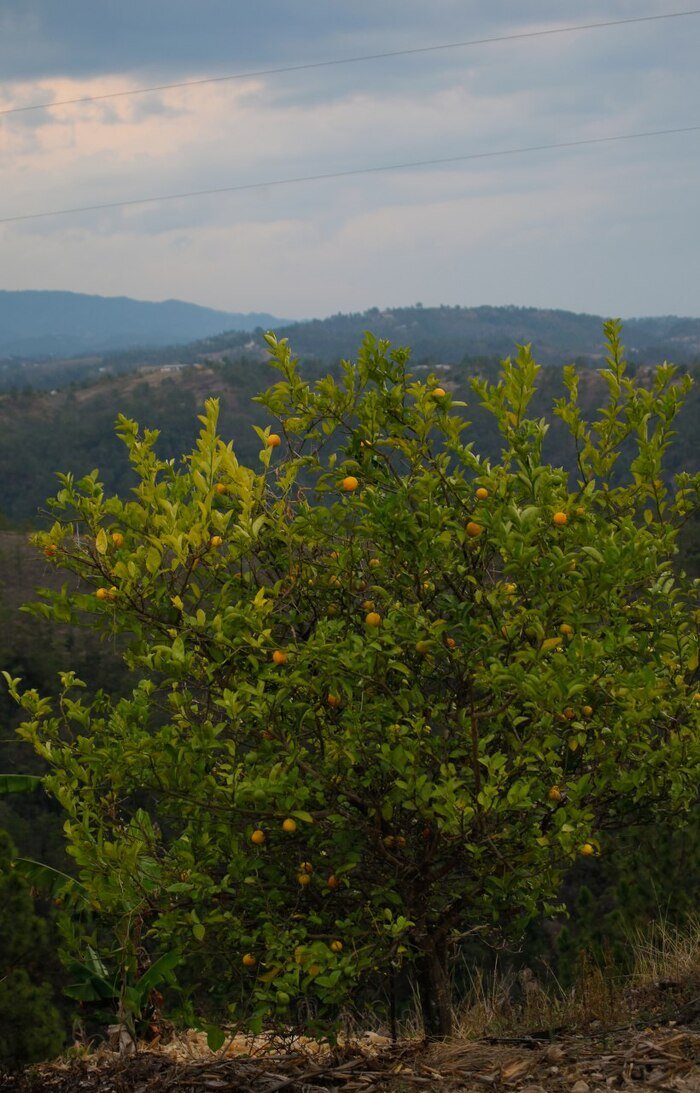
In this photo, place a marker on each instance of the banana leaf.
(46, 877)
(18, 783)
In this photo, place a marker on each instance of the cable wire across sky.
(349, 60)
(376, 169)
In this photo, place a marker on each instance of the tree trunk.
(435, 993)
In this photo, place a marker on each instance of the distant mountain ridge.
(444, 335)
(449, 334)
(36, 324)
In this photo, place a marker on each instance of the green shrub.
(389, 690)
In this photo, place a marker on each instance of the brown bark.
(434, 990)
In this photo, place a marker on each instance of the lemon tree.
(388, 690)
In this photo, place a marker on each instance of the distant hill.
(450, 334)
(436, 335)
(66, 324)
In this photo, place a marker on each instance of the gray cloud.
(610, 228)
(42, 38)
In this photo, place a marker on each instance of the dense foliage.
(30, 1025)
(82, 437)
(388, 691)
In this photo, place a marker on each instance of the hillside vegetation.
(437, 335)
(448, 334)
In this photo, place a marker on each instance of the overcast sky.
(612, 228)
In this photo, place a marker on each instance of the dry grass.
(501, 1005)
(506, 1003)
(667, 954)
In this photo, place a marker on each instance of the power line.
(350, 60)
(347, 174)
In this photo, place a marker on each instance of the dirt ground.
(657, 1047)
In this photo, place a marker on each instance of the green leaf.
(594, 554)
(19, 783)
(216, 1037)
(152, 560)
(160, 970)
(92, 990)
(46, 877)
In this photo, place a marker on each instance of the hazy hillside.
(439, 335)
(449, 333)
(41, 324)
(73, 430)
